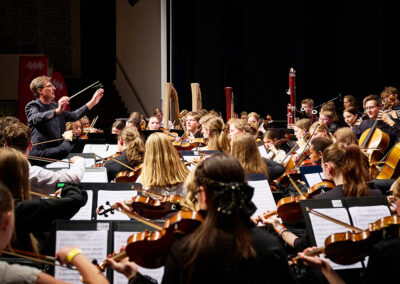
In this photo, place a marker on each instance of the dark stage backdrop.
(337, 47)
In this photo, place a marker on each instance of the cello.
(374, 141)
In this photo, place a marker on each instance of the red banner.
(61, 89)
(30, 67)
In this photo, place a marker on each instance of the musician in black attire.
(226, 247)
(34, 216)
(386, 123)
(47, 119)
(131, 147)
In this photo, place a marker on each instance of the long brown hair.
(244, 148)
(162, 165)
(218, 139)
(231, 229)
(354, 167)
(135, 145)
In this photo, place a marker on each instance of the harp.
(196, 97)
(229, 103)
(170, 96)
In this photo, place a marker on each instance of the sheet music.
(91, 148)
(323, 228)
(113, 196)
(120, 239)
(89, 162)
(313, 179)
(112, 148)
(262, 196)
(95, 175)
(263, 152)
(364, 215)
(92, 243)
(58, 165)
(85, 212)
(191, 158)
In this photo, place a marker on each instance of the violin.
(148, 207)
(289, 209)
(101, 164)
(149, 249)
(308, 162)
(184, 143)
(350, 247)
(128, 176)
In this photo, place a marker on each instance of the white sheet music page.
(120, 239)
(323, 228)
(262, 196)
(89, 162)
(113, 196)
(92, 243)
(58, 165)
(263, 152)
(313, 179)
(95, 175)
(364, 215)
(112, 148)
(91, 148)
(85, 212)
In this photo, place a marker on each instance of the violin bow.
(295, 185)
(320, 250)
(43, 159)
(94, 121)
(119, 162)
(48, 141)
(141, 190)
(51, 260)
(41, 194)
(336, 221)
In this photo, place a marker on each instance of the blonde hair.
(239, 124)
(304, 124)
(329, 113)
(320, 127)
(218, 139)
(135, 145)
(244, 148)
(14, 173)
(162, 165)
(346, 136)
(254, 114)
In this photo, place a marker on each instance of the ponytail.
(355, 173)
(354, 166)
